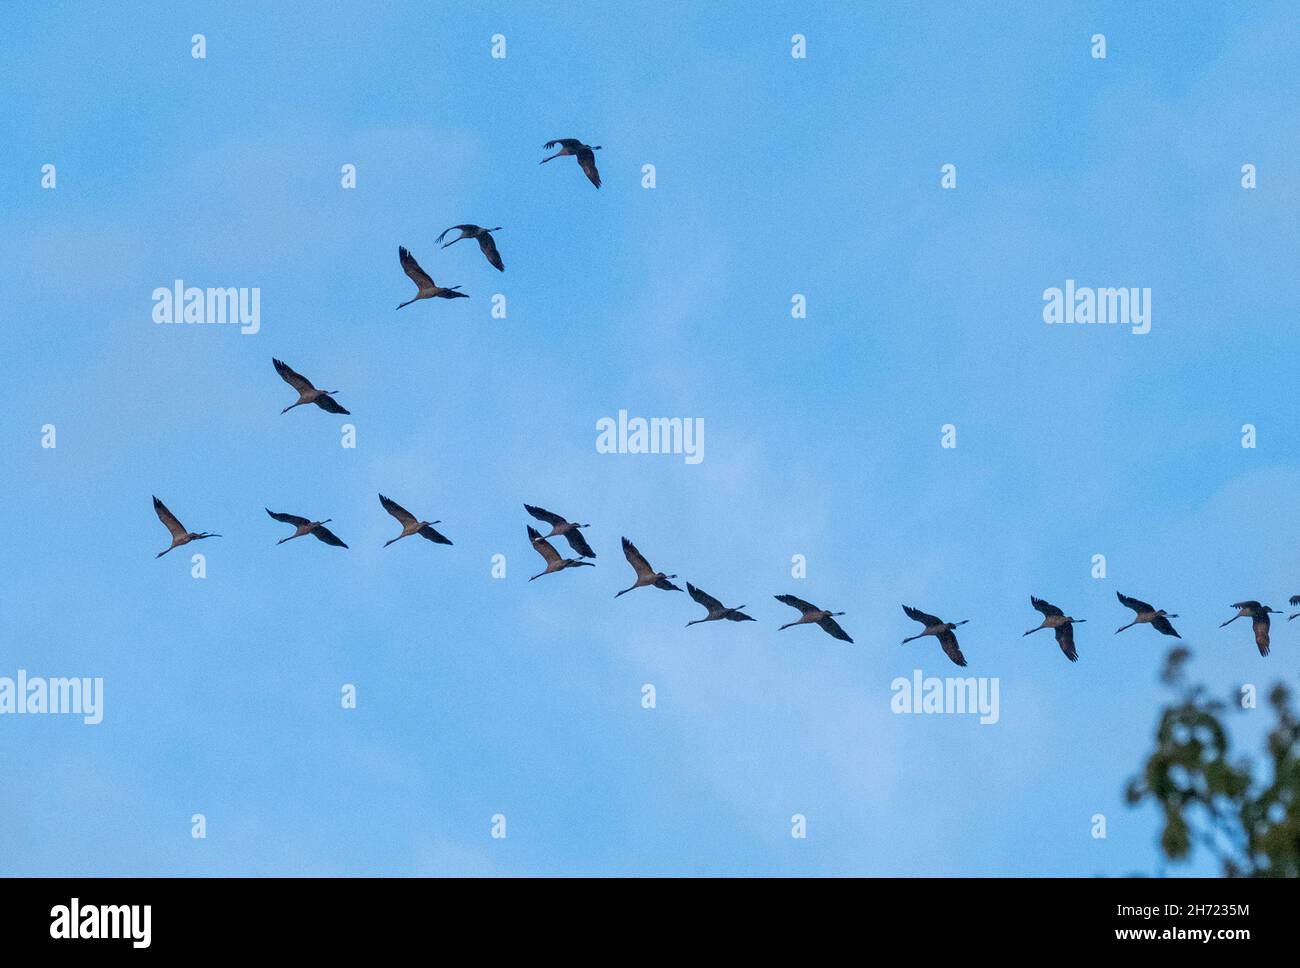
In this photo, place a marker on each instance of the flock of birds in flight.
(647, 576)
(428, 289)
(1053, 617)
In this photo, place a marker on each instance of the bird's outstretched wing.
(488, 246)
(587, 159)
(1294, 600)
(463, 229)
(1260, 625)
(288, 518)
(1065, 639)
(798, 603)
(543, 546)
(666, 585)
(412, 269)
(328, 536)
(703, 597)
(168, 519)
(579, 544)
(397, 511)
(735, 616)
(1161, 624)
(291, 377)
(1137, 605)
(562, 142)
(950, 647)
(1047, 608)
(833, 627)
(636, 559)
(437, 538)
(925, 618)
(541, 514)
(329, 404)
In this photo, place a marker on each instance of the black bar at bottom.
(90, 916)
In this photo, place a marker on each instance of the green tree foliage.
(1245, 813)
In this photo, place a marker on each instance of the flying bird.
(487, 245)
(559, 526)
(410, 525)
(553, 560)
(940, 629)
(306, 392)
(813, 615)
(303, 526)
(584, 154)
(180, 536)
(716, 609)
(428, 288)
(1258, 615)
(645, 575)
(1054, 618)
(1159, 619)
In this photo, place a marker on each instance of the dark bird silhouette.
(1294, 600)
(180, 536)
(1054, 618)
(410, 525)
(306, 392)
(424, 282)
(584, 154)
(645, 575)
(487, 245)
(1258, 615)
(553, 560)
(559, 526)
(940, 629)
(812, 615)
(716, 609)
(303, 526)
(1158, 619)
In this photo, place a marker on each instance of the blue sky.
(775, 176)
